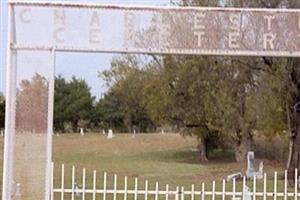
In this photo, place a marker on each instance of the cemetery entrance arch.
(39, 29)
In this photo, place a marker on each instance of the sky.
(81, 65)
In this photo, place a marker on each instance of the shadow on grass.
(188, 156)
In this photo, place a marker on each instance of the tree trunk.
(294, 151)
(242, 146)
(203, 142)
(293, 112)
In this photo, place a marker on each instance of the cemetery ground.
(168, 159)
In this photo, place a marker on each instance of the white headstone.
(247, 193)
(110, 134)
(103, 132)
(2, 132)
(162, 132)
(250, 165)
(260, 173)
(235, 176)
(18, 190)
(81, 132)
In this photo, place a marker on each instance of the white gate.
(104, 186)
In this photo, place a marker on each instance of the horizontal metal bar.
(141, 7)
(157, 51)
(173, 192)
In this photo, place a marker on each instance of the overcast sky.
(81, 65)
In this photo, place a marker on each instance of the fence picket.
(135, 188)
(265, 187)
(62, 181)
(285, 184)
(83, 184)
(156, 191)
(275, 185)
(193, 192)
(254, 188)
(52, 182)
(73, 183)
(94, 184)
(182, 193)
(115, 187)
(223, 189)
(213, 197)
(104, 185)
(177, 193)
(296, 184)
(233, 189)
(244, 193)
(203, 191)
(146, 190)
(167, 192)
(125, 188)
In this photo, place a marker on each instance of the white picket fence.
(112, 191)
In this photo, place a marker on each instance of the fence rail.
(233, 190)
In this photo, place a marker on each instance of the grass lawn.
(169, 159)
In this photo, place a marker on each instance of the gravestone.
(134, 132)
(162, 132)
(81, 132)
(235, 176)
(250, 165)
(110, 134)
(2, 132)
(247, 193)
(260, 173)
(103, 132)
(251, 172)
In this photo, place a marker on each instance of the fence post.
(62, 181)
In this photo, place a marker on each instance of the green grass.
(168, 159)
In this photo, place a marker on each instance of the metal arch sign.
(47, 27)
(163, 30)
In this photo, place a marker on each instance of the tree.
(32, 105)
(122, 106)
(185, 91)
(2, 110)
(73, 103)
